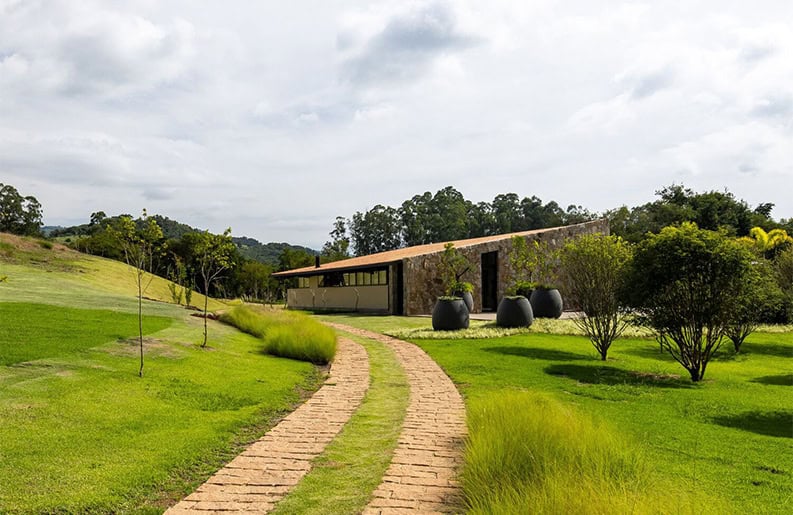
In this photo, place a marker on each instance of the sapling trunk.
(206, 302)
(140, 322)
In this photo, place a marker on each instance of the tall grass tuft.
(529, 453)
(286, 333)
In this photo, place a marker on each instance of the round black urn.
(514, 312)
(450, 314)
(546, 303)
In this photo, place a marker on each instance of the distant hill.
(47, 230)
(265, 252)
(249, 247)
(170, 228)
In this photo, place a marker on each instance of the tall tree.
(377, 230)
(481, 221)
(291, 258)
(338, 247)
(507, 213)
(447, 219)
(255, 280)
(214, 254)
(415, 217)
(18, 214)
(138, 246)
(532, 213)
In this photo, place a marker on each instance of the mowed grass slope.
(722, 445)
(79, 430)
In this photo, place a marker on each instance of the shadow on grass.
(649, 350)
(780, 380)
(769, 423)
(534, 353)
(725, 353)
(616, 376)
(767, 349)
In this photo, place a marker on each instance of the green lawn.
(58, 332)
(730, 436)
(80, 431)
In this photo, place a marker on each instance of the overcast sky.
(274, 117)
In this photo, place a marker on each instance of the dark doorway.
(400, 290)
(489, 281)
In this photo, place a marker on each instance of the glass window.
(383, 277)
(332, 279)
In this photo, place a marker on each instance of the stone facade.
(422, 282)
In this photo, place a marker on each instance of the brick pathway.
(422, 477)
(256, 479)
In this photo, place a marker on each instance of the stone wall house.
(406, 281)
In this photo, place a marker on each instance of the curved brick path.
(256, 479)
(422, 475)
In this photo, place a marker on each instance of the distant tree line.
(178, 256)
(448, 216)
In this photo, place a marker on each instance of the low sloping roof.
(394, 256)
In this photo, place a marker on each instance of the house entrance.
(489, 281)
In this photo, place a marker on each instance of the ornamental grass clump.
(286, 334)
(529, 453)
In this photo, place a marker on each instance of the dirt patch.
(35, 252)
(151, 346)
(210, 316)
(28, 244)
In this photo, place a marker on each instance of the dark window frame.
(378, 276)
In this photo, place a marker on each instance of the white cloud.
(404, 46)
(280, 119)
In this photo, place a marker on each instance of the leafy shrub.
(463, 287)
(528, 453)
(593, 270)
(452, 267)
(689, 285)
(533, 265)
(286, 333)
(45, 244)
(763, 301)
(523, 288)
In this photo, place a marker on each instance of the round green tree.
(688, 285)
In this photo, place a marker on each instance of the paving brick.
(256, 479)
(423, 472)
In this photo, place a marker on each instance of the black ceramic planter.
(450, 314)
(546, 303)
(514, 312)
(467, 297)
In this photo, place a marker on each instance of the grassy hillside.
(79, 430)
(33, 266)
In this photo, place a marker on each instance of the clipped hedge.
(286, 333)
